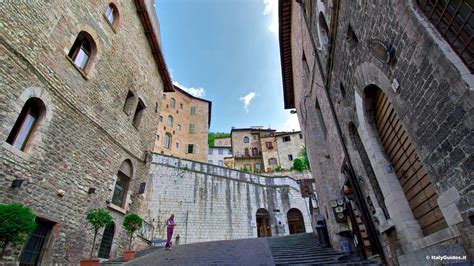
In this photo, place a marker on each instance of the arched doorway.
(264, 226)
(295, 221)
(413, 177)
(106, 243)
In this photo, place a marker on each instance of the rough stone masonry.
(215, 203)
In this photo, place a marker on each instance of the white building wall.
(217, 154)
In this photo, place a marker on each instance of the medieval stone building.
(81, 85)
(384, 96)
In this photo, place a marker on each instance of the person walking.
(169, 230)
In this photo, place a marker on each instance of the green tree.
(212, 135)
(298, 165)
(16, 223)
(132, 223)
(303, 154)
(98, 218)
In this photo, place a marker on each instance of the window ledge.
(110, 24)
(116, 208)
(14, 150)
(83, 74)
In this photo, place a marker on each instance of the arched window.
(246, 139)
(112, 15)
(264, 225)
(172, 102)
(323, 34)
(124, 176)
(83, 51)
(26, 123)
(254, 151)
(167, 140)
(170, 121)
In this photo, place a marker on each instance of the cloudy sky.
(227, 51)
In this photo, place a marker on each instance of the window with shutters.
(112, 16)
(193, 110)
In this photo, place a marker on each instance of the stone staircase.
(141, 253)
(305, 249)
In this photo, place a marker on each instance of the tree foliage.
(132, 223)
(298, 165)
(212, 135)
(98, 218)
(303, 155)
(16, 223)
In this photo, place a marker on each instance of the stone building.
(289, 146)
(384, 96)
(184, 125)
(247, 148)
(269, 152)
(81, 85)
(222, 148)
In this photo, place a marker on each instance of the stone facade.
(331, 67)
(83, 135)
(185, 120)
(215, 203)
(289, 146)
(247, 148)
(223, 142)
(270, 152)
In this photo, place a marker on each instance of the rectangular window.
(269, 145)
(190, 148)
(286, 138)
(210, 151)
(209, 161)
(181, 106)
(257, 166)
(177, 145)
(319, 114)
(230, 152)
(193, 110)
(454, 21)
(301, 136)
(192, 128)
(221, 151)
(221, 163)
(179, 127)
(290, 157)
(137, 118)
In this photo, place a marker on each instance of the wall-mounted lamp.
(17, 183)
(293, 112)
(91, 190)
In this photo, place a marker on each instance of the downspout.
(368, 223)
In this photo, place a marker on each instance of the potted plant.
(16, 224)
(97, 218)
(131, 223)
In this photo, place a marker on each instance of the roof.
(252, 129)
(209, 103)
(149, 21)
(222, 137)
(277, 134)
(284, 19)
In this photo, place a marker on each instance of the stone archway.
(295, 221)
(264, 226)
(106, 243)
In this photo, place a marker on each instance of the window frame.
(139, 112)
(167, 140)
(115, 24)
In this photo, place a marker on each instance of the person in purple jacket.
(170, 226)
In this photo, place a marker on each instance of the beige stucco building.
(183, 126)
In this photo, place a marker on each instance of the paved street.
(236, 252)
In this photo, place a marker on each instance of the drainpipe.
(368, 223)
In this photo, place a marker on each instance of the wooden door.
(413, 177)
(36, 246)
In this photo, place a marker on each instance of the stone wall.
(291, 147)
(84, 134)
(215, 203)
(434, 103)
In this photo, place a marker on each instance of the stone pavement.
(254, 251)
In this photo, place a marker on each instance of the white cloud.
(196, 92)
(271, 8)
(247, 99)
(290, 124)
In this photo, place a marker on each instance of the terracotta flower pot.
(128, 255)
(90, 262)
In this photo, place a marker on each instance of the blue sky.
(227, 51)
